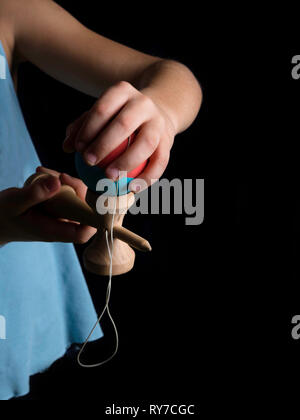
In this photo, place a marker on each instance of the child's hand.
(120, 111)
(21, 221)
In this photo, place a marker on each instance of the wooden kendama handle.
(67, 205)
(131, 238)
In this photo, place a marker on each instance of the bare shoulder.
(6, 28)
(10, 6)
(13, 14)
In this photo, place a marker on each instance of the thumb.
(40, 190)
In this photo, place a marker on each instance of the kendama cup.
(113, 206)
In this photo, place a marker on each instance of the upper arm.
(52, 39)
(7, 35)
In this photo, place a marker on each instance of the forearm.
(61, 46)
(173, 87)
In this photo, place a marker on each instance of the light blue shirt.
(45, 305)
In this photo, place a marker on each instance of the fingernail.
(113, 173)
(135, 188)
(50, 184)
(90, 158)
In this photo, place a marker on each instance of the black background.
(211, 306)
(167, 308)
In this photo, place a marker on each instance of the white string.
(106, 307)
(108, 291)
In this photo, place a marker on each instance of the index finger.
(104, 109)
(42, 169)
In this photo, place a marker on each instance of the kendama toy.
(67, 205)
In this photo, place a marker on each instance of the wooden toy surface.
(67, 205)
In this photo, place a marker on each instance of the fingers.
(58, 230)
(104, 109)
(119, 112)
(131, 117)
(71, 133)
(70, 232)
(79, 187)
(144, 146)
(42, 169)
(154, 170)
(83, 234)
(44, 228)
(29, 223)
(42, 189)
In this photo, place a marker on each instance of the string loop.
(106, 307)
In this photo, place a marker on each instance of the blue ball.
(91, 175)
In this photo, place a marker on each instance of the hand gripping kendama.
(100, 214)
